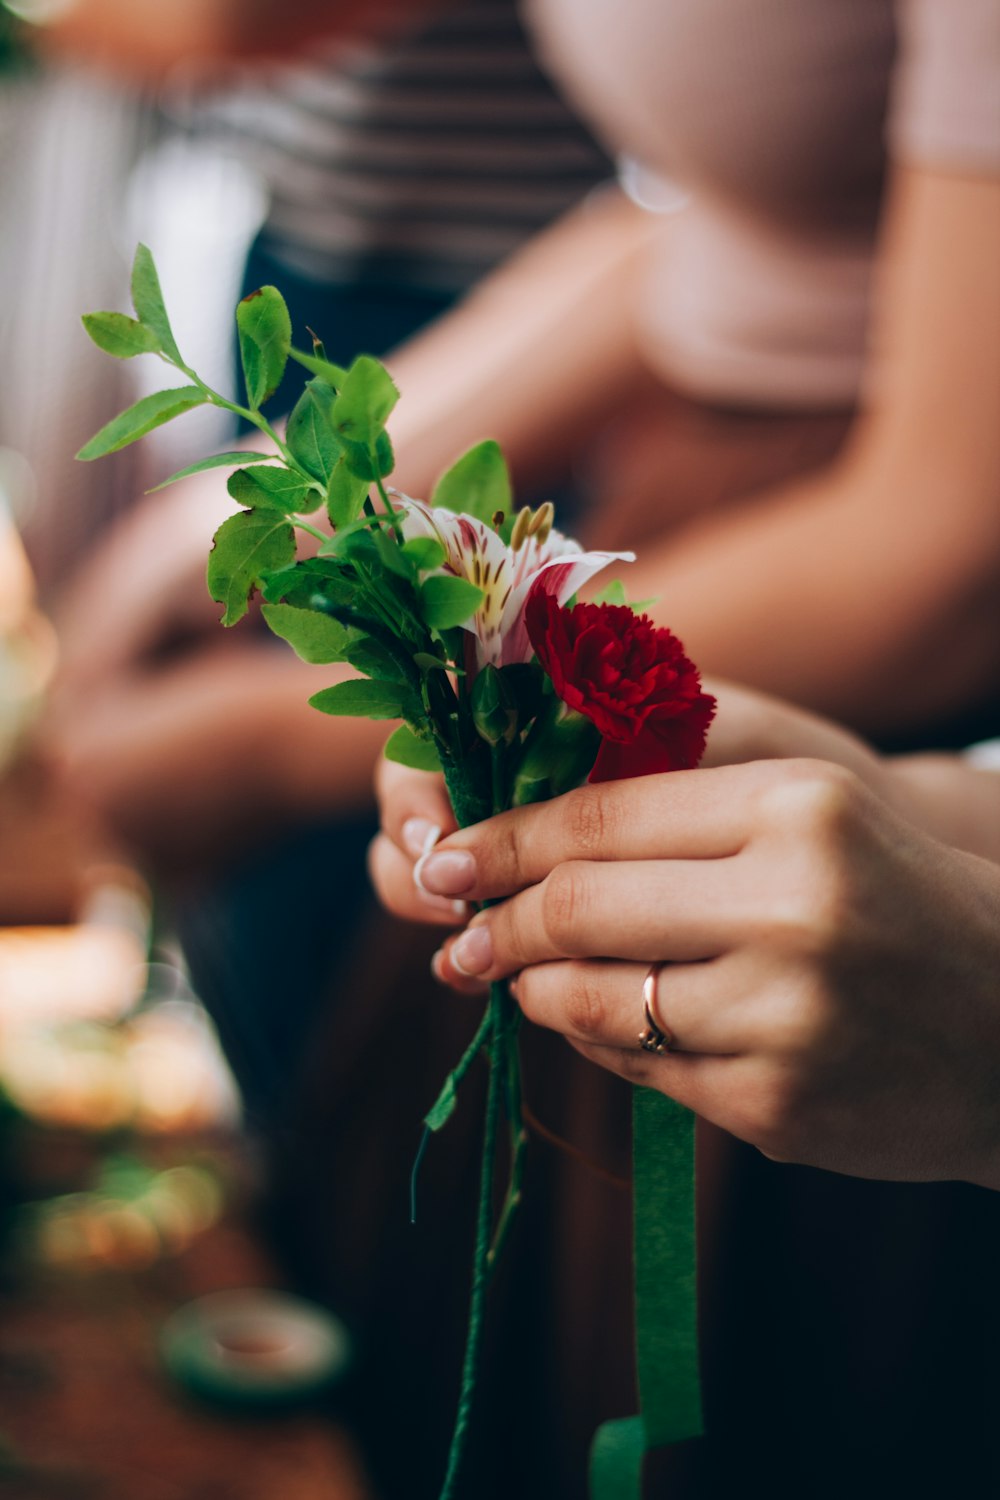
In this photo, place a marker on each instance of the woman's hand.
(830, 973)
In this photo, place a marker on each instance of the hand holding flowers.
(830, 968)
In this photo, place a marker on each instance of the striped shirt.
(421, 162)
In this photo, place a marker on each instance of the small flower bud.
(559, 757)
(494, 709)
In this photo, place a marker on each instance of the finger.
(679, 911)
(391, 874)
(700, 1083)
(602, 1003)
(741, 1095)
(442, 971)
(681, 815)
(413, 806)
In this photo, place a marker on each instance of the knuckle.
(511, 853)
(585, 1006)
(811, 917)
(810, 796)
(798, 1025)
(594, 819)
(564, 905)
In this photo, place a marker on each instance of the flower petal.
(559, 577)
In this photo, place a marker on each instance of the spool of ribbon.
(255, 1349)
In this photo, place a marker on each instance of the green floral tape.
(666, 1300)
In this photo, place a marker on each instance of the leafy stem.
(321, 536)
(247, 413)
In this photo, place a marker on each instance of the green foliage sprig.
(383, 603)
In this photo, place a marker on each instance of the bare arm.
(534, 357)
(844, 592)
(869, 592)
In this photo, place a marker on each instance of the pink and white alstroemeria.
(508, 575)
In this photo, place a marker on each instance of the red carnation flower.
(630, 677)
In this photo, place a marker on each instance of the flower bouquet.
(458, 617)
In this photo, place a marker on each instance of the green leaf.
(352, 540)
(612, 593)
(426, 552)
(366, 398)
(311, 583)
(370, 699)
(311, 439)
(332, 374)
(391, 554)
(312, 635)
(273, 486)
(428, 663)
(119, 335)
(345, 494)
(372, 659)
(443, 1107)
(408, 749)
(478, 484)
(448, 601)
(147, 299)
(370, 463)
(152, 411)
(217, 461)
(265, 333)
(247, 545)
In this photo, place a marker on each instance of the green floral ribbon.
(666, 1301)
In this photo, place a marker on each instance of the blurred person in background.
(401, 168)
(814, 470)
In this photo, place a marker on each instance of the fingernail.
(419, 836)
(437, 963)
(449, 872)
(457, 909)
(472, 954)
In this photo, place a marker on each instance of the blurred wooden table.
(86, 1411)
(88, 1414)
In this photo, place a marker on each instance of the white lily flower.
(538, 557)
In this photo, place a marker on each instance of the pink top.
(763, 130)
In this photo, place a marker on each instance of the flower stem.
(518, 1143)
(480, 1269)
(440, 1111)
